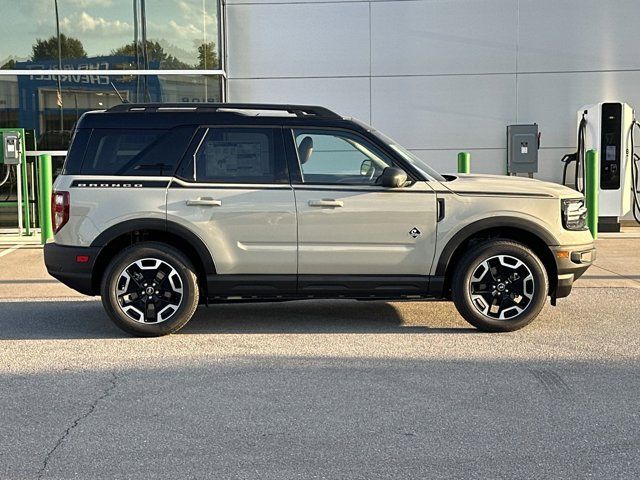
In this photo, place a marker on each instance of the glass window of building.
(167, 50)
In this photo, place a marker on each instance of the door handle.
(326, 202)
(204, 202)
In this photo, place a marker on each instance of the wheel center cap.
(501, 287)
(149, 290)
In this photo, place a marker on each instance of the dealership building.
(439, 76)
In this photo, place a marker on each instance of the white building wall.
(441, 76)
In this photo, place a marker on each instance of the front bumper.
(62, 264)
(571, 262)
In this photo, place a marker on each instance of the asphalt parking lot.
(335, 389)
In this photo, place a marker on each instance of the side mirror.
(393, 177)
(365, 167)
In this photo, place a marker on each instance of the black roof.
(297, 110)
(168, 115)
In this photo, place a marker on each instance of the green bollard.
(45, 181)
(592, 182)
(464, 162)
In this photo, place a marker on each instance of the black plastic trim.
(317, 286)
(387, 286)
(61, 264)
(441, 209)
(261, 286)
(485, 224)
(130, 226)
(118, 182)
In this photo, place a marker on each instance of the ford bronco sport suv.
(162, 207)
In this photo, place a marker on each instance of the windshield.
(429, 172)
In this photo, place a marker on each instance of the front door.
(354, 233)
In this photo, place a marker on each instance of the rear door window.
(241, 155)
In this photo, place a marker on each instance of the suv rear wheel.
(150, 289)
(500, 286)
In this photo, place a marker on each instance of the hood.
(502, 184)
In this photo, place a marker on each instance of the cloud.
(89, 3)
(192, 12)
(83, 22)
(185, 31)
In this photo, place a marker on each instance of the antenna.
(118, 93)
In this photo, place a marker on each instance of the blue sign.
(129, 86)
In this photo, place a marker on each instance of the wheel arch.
(526, 232)
(130, 232)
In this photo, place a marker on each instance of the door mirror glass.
(365, 167)
(393, 177)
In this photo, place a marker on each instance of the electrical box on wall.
(522, 149)
(11, 148)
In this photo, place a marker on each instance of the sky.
(103, 25)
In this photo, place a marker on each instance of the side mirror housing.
(365, 167)
(393, 177)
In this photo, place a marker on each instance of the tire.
(150, 289)
(499, 286)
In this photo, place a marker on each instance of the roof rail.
(298, 110)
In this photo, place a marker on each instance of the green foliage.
(207, 56)
(9, 65)
(48, 49)
(155, 53)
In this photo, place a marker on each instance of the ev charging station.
(13, 155)
(607, 128)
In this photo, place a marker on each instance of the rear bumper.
(571, 262)
(62, 264)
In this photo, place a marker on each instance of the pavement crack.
(104, 394)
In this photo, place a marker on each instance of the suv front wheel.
(499, 286)
(150, 289)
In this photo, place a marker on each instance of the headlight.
(574, 214)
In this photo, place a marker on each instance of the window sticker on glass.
(234, 159)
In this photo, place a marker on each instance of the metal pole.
(19, 194)
(45, 181)
(24, 184)
(464, 162)
(59, 65)
(592, 182)
(145, 57)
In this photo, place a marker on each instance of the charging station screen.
(610, 140)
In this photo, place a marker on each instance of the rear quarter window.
(135, 152)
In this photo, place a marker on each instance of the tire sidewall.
(461, 285)
(162, 252)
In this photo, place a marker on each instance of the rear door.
(353, 233)
(234, 193)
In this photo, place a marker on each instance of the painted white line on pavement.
(9, 250)
(48, 299)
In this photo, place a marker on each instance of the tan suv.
(162, 207)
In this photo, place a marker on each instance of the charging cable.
(6, 176)
(635, 178)
(577, 157)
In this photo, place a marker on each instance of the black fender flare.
(486, 224)
(184, 233)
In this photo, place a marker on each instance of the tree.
(48, 49)
(155, 53)
(207, 56)
(9, 65)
